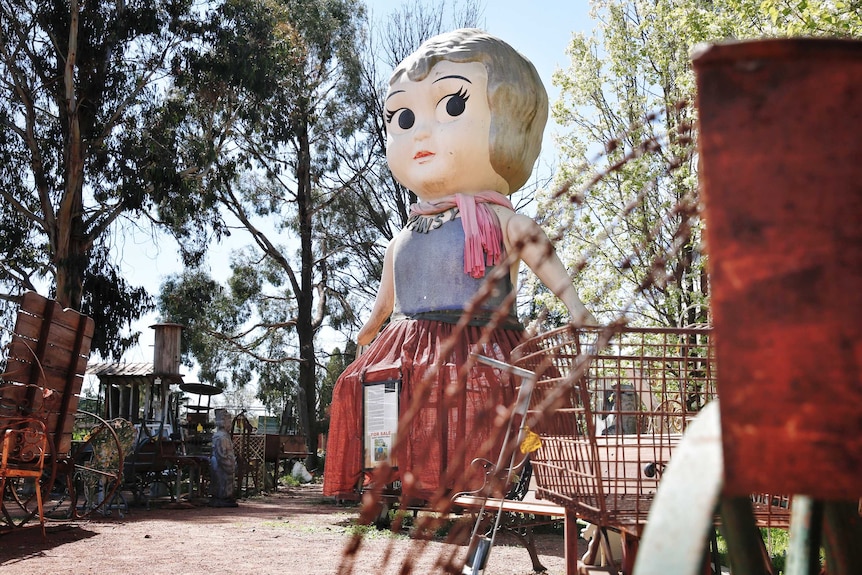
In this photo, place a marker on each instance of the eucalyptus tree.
(76, 78)
(291, 80)
(627, 220)
(368, 206)
(338, 362)
(95, 145)
(301, 57)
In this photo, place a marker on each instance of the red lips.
(423, 154)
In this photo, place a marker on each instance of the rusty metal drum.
(781, 173)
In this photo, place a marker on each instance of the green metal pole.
(803, 550)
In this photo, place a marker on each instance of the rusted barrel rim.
(776, 48)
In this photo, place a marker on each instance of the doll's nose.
(421, 130)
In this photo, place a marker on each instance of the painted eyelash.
(462, 93)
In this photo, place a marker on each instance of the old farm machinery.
(56, 458)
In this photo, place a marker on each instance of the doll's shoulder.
(504, 214)
(513, 224)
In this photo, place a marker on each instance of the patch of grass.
(289, 481)
(401, 518)
(776, 540)
(343, 524)
(372, 532)
(445, 528)
(277, 524)
(434, 526)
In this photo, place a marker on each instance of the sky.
(540, 32)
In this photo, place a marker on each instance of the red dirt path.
(293, 531)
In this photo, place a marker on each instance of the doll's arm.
(539, 255)
(382, 303)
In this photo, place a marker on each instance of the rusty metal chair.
(24, 444)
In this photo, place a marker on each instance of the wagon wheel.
(92, 474)
(670, 417)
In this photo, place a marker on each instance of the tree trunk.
(70, 243)
(305, 329)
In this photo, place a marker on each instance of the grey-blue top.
(428, 265)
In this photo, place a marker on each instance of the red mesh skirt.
(447, 418)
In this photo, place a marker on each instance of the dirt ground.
(293, 531)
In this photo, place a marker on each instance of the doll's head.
(516, 97)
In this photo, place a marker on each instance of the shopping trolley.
(610, 405)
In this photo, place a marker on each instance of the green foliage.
(338, 362)
(623, 96)
(89, 138)
(113, 304)
(842, 18)
(777, 542)
(289, 481)
(277, 389)
(371, 532)
(209, 314)
(627, 98)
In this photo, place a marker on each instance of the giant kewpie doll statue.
(464, 120)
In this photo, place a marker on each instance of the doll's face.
(438, 132)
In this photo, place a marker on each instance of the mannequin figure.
(222, 462)
(464, 118)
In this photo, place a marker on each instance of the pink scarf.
(482, 234)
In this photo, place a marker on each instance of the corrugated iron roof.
(129, 373)
(122, 374)
(120, 369)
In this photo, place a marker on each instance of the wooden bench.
(529, 513)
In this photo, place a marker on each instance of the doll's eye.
(456, 103)
(404, 118)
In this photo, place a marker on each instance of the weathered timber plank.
(49, 376)
(49, 349)
(63, 328)
(510, 505)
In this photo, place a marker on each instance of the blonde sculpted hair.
(516, 96)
